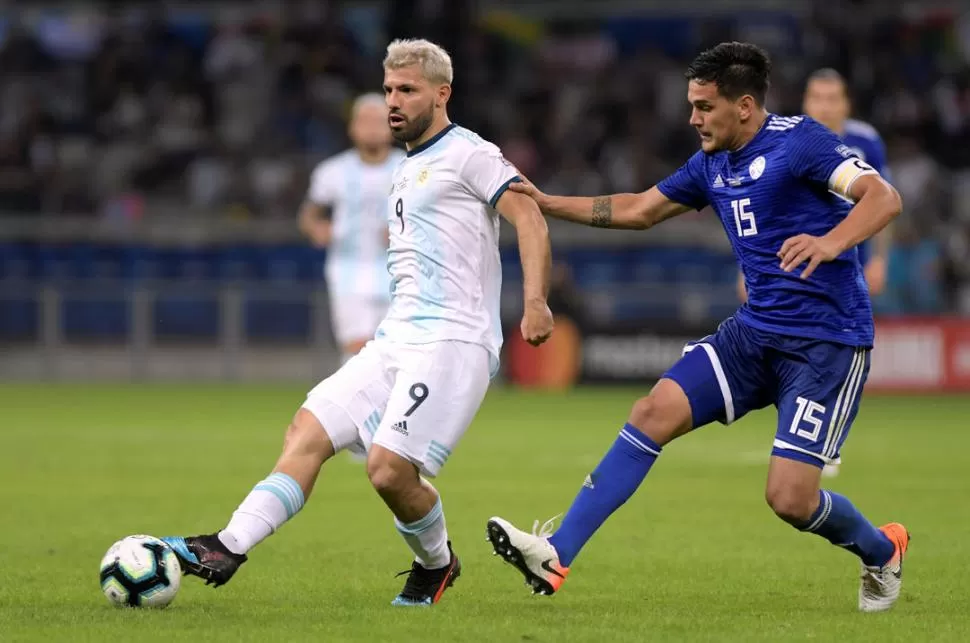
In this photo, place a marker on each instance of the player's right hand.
(318, 233)
(536, 323)
(527, 187)
(875, 272)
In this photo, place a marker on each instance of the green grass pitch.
(696, 555)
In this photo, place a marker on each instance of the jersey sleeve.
(323, 185)
(816, 154)
(486, 173)
(688, 185)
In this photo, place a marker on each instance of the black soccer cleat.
(425, 587)
(206, 557)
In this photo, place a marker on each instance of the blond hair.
(434, 61)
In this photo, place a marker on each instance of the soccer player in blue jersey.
(795, 202)
(826, 100)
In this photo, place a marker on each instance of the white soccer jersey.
(356, 192)
(446, 275)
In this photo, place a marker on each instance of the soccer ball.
(140, 571)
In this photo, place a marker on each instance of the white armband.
(842, 178)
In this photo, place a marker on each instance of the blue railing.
(95, 285)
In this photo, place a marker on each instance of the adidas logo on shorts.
(401, 427)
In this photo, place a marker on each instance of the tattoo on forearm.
(602, 212)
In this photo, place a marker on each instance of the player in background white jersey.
(346, 211)
(410, 394)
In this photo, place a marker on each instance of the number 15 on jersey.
(744, 218)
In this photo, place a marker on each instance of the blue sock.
(615, 479)
(839, 522)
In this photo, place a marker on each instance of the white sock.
(428, 538)
(271, 503)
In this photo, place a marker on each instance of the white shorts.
(416, 400)
(356, 317)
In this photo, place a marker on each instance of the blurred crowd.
(146, 113)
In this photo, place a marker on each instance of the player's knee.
(660, 416)
(390, 475)
(790, 503)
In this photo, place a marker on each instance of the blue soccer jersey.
(793, 177)
(863, 139)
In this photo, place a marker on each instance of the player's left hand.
(876, 275)
(804, 247)
(536, 323)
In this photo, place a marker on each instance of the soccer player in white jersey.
(411, 393)
(346, 212)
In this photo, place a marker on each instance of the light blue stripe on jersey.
(431, 293)
(430, 287)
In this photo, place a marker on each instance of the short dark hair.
(737, 68)
(831, 75)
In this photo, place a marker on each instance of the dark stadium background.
(154, 156)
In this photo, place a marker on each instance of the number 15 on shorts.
(807, 423)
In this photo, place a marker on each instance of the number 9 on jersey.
(399, 212)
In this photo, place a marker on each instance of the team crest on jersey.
(757, 167)
(423, 176)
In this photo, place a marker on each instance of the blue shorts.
(815, 385)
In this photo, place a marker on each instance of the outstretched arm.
(619, 211)
(536, 256)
